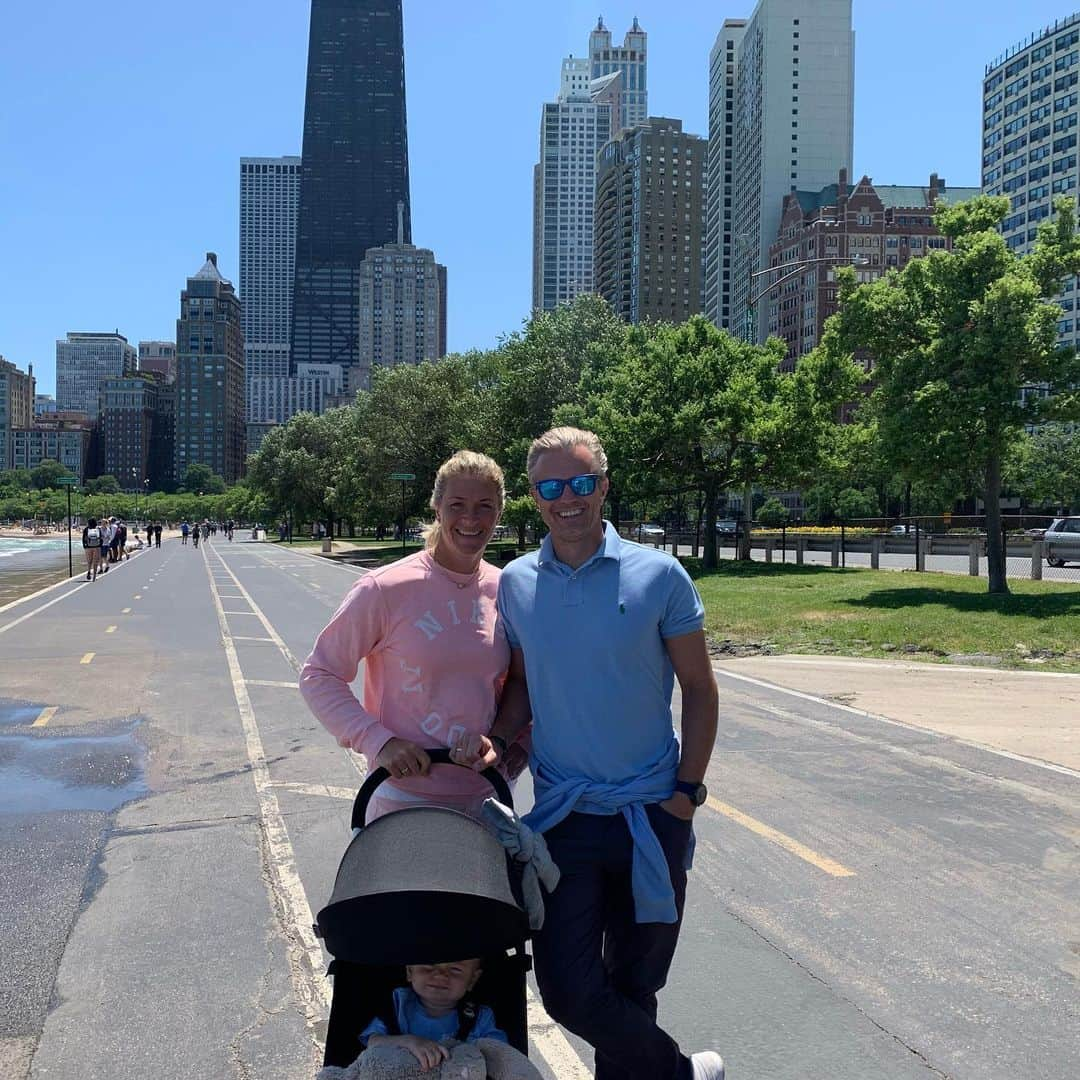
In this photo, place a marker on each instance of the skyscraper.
(16, 405)
(158, 357)
(354, 171)
(83, 361)
(792, 126)
(649, 206)
(631, 61)
(572, 130)
(210, 376)
(1031, 121)
(269, 202)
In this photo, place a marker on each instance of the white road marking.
(307, 962)
(241, 613)
(928, 732)
(268, 640)
(323, 790)
(552, 1045)
(273, 682)
(22, 618)
(110, 629)
(41, 592)
(126, 611)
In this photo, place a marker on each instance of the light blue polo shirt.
(600, 684)
(600, 679)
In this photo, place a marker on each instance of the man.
(599, 628)
(157, 534)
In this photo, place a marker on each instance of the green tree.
(46, 474)
(201, 478)
(103, 485)
(852, 504)
(957, 337)
(773, 514)
(14, 481)
(1045, 467)
(691, 409)
(519, 513)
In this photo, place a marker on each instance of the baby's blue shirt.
(413, 1019)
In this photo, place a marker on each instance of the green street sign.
(402, 476)
(67, 480)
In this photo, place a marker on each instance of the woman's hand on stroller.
(430, 1054)
(403, 759)
(475, 751)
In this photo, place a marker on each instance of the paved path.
(868, 900)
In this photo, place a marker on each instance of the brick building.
(876, 228)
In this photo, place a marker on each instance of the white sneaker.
(707, 1065)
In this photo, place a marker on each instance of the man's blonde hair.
(463, 463)
(566, 438)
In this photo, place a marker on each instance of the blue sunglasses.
(550, 490)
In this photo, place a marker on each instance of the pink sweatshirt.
(434, 667)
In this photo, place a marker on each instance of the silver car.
(1061, 542)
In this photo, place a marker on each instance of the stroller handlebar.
(440, 756)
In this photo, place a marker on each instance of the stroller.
(423, 885)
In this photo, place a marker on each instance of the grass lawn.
(813, 609)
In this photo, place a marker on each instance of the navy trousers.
(598, 970)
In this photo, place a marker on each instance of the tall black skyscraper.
(354, 172)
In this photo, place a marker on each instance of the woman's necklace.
(453, 575)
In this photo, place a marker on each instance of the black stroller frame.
(384, 914)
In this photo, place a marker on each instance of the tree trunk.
(748, 516)
(995, 545)
(522, 526)
(708, 559)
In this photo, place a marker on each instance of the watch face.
(696, 793)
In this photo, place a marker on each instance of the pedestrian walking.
(149, 535)
(157, 534)
(91, 542)
(195, 535)
(599, 629)
(184, 529)
(106, 528)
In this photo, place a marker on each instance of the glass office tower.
(354, 172)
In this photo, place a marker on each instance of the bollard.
(836, 553)
(770, 544)
(973, 558)
(875, 554)
(1036, 560)
(800, 550)
(327, 545)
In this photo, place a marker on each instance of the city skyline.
(156, 226)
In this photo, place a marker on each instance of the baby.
(433, 1007)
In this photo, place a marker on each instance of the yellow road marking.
(110, 629)
(138, 596)
(87, 658)
(126, 611)
(44, 716)
(822, 862)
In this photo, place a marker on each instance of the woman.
(434, 664)
(92, 542)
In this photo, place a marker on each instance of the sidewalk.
(1034, 714)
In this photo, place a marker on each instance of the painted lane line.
(138, 596)
(45, 716)
(241, 613)
(126, 611)
(314, 584)
(321, 790)
(48, 588)
(822, 862)
(22, 618)
(928, 732)
(551, 1044)
(110, 629)
(268, 640)
(307, 962)
(273, 682)
(87, 658)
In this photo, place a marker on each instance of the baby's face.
(441, 986)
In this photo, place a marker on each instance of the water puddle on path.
(42, 773)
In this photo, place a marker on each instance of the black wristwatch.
(696, 793)
(500, 742)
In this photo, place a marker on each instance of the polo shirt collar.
(610, 548)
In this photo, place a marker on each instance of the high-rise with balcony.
(1031, 124)
(649, 222)
(630, 60)
(269, 203)
(573, 128)
(789, 124)
(354, 172)
(83, 361)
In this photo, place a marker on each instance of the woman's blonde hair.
(566, 438)
(463, 463)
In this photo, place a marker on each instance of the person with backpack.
(91, 542)
(120, 542)
(183, 532)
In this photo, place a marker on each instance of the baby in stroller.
(401, 1009)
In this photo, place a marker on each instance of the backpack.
(93, 537)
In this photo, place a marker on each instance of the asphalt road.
(867, 900)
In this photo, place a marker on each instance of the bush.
(773, 514)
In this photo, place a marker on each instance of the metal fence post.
(783, 543)
(1036, 560)
(973, 558)
(770, 543)
(875, 553)
(843, 545)
(836, 553)
(800, 550)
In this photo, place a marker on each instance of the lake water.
(29, 565)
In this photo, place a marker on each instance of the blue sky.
(123, 124)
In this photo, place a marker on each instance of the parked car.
(1061, 541)
(727, 527)
(902, 530)
(1034, 534)
(651, 531)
